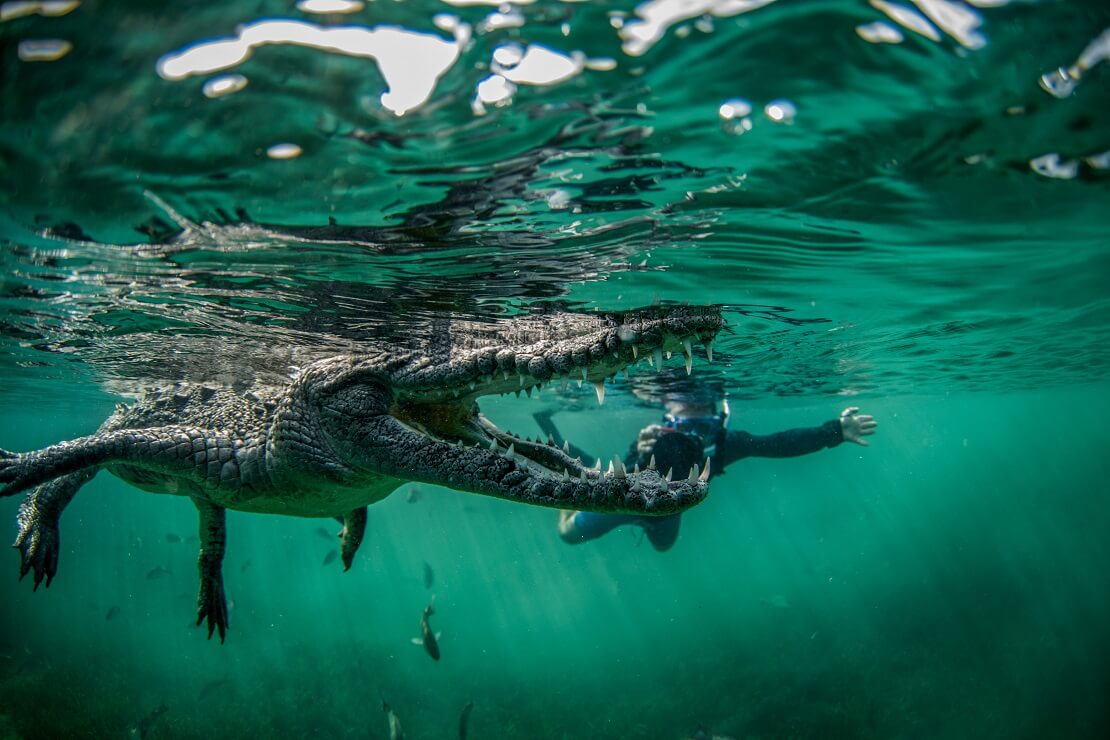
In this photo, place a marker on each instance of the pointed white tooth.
(458, 444)
(583, 374)
(471, 385)
(578, 459)
(599, 386)
(704, 473)
(506, 372)
(625, 371)
(693, 473)
(597, 466)
(668, 477)
(455, 392)
(709, 349)
(689, 362)
(686, 346)
(582, 474)
(512, 451)
(550, 441)
(521, 379)
(636, 469)
(635, 352)
(657, 355)
(492, 444)
(566, 475)
(651, 462)
(649, 360)
(668, 354)
(487, 378)
(563, 381)
(618, 464)
(566, 447)
(610, 470)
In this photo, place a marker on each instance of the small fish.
(172, 538)
(146, 724)
(113, 612)
(212, 688)
(413, 494)
(325, 534)
(395, 731)
(246, 564)
(429, 575)
(428, 638)
(331, 556)
(464, 719)
(159, 571)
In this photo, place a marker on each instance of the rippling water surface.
(904, 204)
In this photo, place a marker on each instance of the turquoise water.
(923, 235)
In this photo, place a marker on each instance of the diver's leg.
(211, 604)
(662, 531)
(38, 541)
(582, 526)
(354, 527)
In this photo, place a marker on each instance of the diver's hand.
(854, 426)
(645, 443)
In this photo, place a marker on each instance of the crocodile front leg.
(38, 542)
(204, 456)
(354, 527)
(211, 604)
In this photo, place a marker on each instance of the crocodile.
(347, 430)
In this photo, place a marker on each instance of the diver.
(693, 428)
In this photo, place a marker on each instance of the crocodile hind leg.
(211, 604)
(38, 541)
(354, 527)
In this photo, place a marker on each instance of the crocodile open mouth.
(446, 408)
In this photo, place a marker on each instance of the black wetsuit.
(662, 531)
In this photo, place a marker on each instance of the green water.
(906, 244)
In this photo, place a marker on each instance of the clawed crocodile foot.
(38, 547)
(212, 605)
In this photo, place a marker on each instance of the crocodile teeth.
(619, 465)
(584, 373)
(709, 349)
(458, 444)
(582, 474)
(704, 473)
(471, 385)
(636, 469)
(599, 387)
(610, 470)
(693, 473)
(669, 471)
(521, 379)
(509, 453)
(625, 371)
(597, 467)
(550, 441)
(566, 447)
(635, 352)
(566, 475)
(686, 346)
(668, 354)
(563, 381)
(492, 444)
(657, 355)
(651, 462)
(506, 372)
